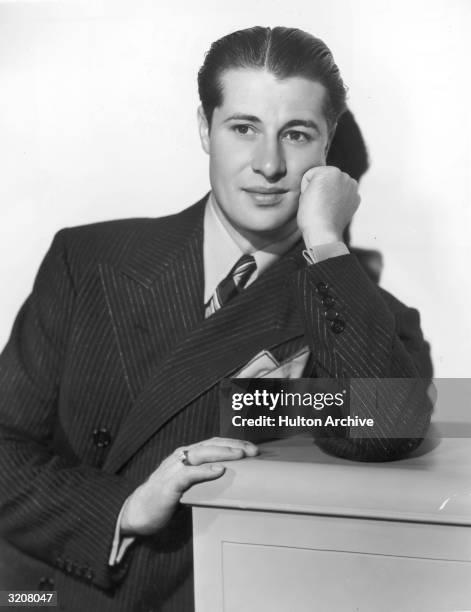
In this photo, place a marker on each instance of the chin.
(264, 226)
(268, 220)
(245, 216)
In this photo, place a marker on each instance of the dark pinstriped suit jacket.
(113, 337)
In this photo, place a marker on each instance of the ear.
(203, 127)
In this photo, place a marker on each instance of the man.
(109, 383)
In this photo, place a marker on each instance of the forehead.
(258, 92)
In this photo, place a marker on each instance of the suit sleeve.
(363, 335)
(51, 507)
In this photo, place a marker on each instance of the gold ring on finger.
(183, 457)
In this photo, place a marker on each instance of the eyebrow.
(307, 123)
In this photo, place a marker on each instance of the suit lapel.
(263, 316)
(155, 298)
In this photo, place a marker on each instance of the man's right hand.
(153, 503)
(329, 198)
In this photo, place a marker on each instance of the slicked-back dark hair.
(285, 52)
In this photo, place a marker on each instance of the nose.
(268, 160)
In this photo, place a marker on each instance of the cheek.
(300, 162)
(226, 163)
(221, 171)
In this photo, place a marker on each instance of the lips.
(265, 190)
(266, 196)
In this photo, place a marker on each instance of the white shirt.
(221, 252)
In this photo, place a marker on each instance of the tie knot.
(243, 270)
(233, 284)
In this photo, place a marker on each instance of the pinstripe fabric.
(381, 340)
(114, 336)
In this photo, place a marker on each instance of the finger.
(194, 474)
(325, 172)
(208, 454)
(249, 448)
(307, 178)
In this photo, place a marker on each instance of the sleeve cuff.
(120, 543)
(320, 252)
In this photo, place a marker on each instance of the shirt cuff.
(120, 543)
(320, 252)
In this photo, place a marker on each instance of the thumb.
(200, 473)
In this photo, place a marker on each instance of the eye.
(243, 129)
(297, 136)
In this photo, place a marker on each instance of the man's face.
(266, 134)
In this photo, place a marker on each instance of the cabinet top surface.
(294, 476)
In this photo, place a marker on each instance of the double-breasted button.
(69, 567)
(337, 326)
(101, 437)
(46, 584)
(322, 287)
(88, 575)
(60, 562)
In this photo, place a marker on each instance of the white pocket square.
(264, 365)
(259, 365)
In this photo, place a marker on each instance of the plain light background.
(98, 121)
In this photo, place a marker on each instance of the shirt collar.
(221, 252)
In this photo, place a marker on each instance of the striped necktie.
(233, 284)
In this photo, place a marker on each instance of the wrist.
(315, 237)
(130, 516)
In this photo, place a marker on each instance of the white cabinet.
(296, 530)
